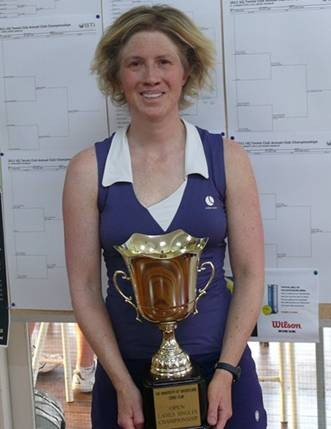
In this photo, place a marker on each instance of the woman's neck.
(156, 134)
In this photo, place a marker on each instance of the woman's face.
(151, 75)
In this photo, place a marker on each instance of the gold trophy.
(163, 271)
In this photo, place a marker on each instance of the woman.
(158, 175)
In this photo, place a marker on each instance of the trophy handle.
(127, 299)
(202, 291)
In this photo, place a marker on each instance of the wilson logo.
(285, 325)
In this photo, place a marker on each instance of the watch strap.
(234, 370)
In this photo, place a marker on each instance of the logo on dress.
(209, 200)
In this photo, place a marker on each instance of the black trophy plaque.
(175, 404)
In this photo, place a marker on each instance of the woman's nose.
(151, 75)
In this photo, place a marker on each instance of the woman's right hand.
(130, 409)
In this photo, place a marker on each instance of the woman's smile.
(152, 95)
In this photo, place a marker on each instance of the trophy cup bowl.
(163, 272)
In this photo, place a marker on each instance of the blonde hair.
(196, 51)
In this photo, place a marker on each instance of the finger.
(138, 417)
(125, 423)
(138, 421)
(223, 417)
(220, 424)
(212, 416)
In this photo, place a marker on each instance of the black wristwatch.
(235, 370)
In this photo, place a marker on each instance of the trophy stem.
(170, 361)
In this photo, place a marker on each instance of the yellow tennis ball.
(266, 310)
(229, 284)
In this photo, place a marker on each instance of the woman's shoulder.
(82, 172)
(238, 168)
(84, 160)
(234, 152)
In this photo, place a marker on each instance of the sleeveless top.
(201, 213)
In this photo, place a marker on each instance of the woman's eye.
(134, 64)
(164, 61)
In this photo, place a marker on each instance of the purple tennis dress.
(200, 335)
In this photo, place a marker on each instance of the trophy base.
(175, 403)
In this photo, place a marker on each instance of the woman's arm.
(83, 259)
(246, 251)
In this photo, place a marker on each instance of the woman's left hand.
(219, 399)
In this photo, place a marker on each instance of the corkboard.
(325, 311)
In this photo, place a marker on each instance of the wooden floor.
(266, 357)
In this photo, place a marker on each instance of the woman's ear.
(186, 77)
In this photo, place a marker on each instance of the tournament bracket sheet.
(208, 110)
(278, 83)
(50, 109)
